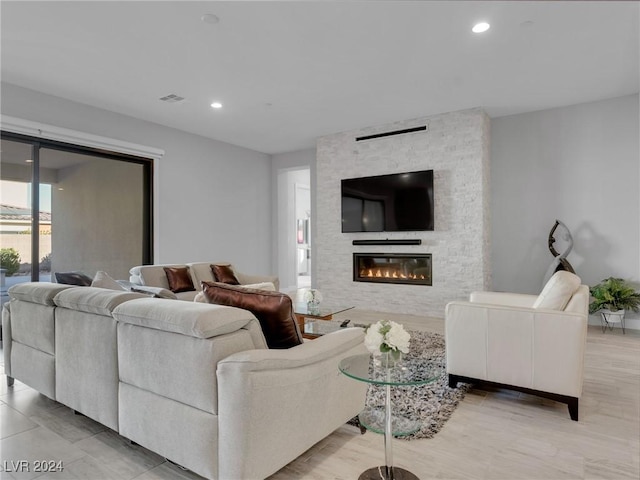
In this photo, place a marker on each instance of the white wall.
(456, 147)
(579, 164)
(212, 199)
(284, 168)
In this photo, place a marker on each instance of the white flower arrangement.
(386, 336)
(313, 296)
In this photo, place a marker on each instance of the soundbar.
(415, 241)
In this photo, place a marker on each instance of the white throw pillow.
(157, 292)
(558, 291)
(269, 286)
(103, 280)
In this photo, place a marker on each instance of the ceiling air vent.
(172, 98)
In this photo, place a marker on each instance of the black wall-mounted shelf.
(412, 241)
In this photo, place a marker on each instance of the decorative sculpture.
(560, 261)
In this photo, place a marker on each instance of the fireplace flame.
(386, 273)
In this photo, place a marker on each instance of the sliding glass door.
(90, 210)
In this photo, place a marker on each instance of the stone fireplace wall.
(456, 147)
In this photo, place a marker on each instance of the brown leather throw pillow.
(274, 311)
(179, 279)
(224, 274)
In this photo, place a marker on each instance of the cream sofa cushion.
(192, 319)
(558, 291)
(100, 301)
(104, 280)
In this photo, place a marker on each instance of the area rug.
(433, 403)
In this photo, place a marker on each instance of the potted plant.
(613, 297)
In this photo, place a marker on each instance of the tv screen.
(398, 202)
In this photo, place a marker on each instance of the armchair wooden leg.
(573, 409)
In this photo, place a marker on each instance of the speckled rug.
(433, 403)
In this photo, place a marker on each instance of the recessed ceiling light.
(480, 27)
(216, 105)
(210, 18)
(28, 161)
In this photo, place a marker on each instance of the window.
(71, 208)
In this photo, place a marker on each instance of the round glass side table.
(409, 371)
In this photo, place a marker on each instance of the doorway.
(302, 201)
(295, 238)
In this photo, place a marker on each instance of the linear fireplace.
(405, 268)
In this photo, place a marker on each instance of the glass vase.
(390, 359)
(313, 307)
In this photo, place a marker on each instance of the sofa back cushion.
(558, 291)
(100, 301)
(42, 293)
(274, 311)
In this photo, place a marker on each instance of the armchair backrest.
(579, 301)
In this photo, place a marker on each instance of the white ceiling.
(289, 72)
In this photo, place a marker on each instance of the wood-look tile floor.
(491, 435)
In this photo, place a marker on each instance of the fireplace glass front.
(405, 268)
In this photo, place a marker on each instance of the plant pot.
(609, 318)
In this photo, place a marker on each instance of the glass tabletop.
(409, 371)
(323, 310)
(323, 327)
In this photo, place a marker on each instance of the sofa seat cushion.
(558, 291)
(100, 301)
(187, 318)
(274, 311)
(41, 293)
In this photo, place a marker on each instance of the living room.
(575, 160)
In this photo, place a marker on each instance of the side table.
(322, 312)
(409, 371)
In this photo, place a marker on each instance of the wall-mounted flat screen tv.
(399, 202)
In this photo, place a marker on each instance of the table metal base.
(379, 473)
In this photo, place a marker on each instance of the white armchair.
(516, 341)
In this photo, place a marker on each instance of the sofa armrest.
(275, 404)
(503, 298)
(307, 353)
(246, 279)
(532, 348)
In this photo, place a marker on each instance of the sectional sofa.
(193, 382)
(155, 276)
